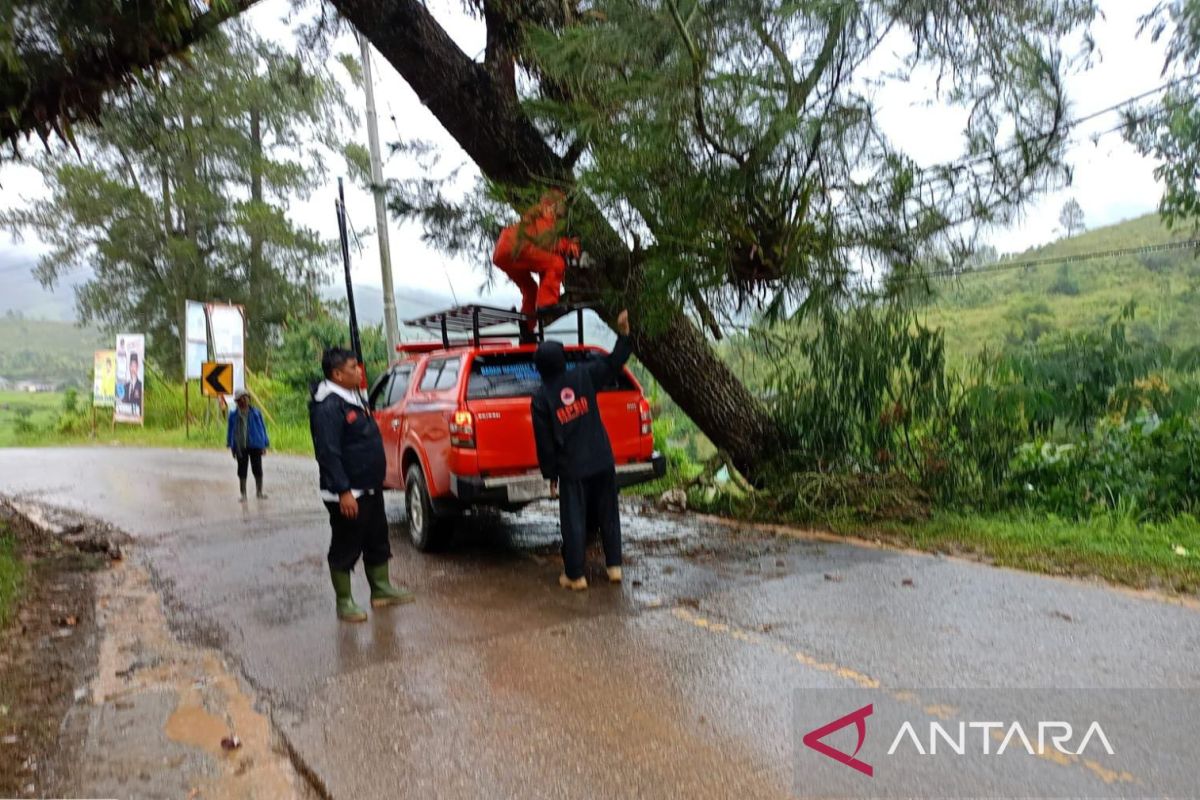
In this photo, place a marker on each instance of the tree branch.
(698, 87)
(52, 92)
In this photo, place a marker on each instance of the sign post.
(104, 382)
(217, 378)
(228, 323)
(195, 353)
(129, 405)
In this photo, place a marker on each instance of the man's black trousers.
(252, 459)
(589, 502)
(366, 536)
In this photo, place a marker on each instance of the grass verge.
(12, 574)
(1156, 555)
(292, 439)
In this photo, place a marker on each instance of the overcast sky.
(1111, 182)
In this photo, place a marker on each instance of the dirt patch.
(49, 655)
(118, 706)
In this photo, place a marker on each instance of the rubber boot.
(258, 489)
(551, 312)
(347, 609)
(242, 484)
(382, 591)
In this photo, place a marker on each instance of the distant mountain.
(52, 351)
(1064, 294)
(23, 293)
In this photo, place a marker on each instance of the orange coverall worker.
(531, 247)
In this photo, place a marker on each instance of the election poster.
(228, 323)
(104, 379)
(195, 339)
(131, 366)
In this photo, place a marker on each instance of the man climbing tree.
(535, 246)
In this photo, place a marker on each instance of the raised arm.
(605, 370)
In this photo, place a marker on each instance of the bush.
(1063, 283)
(1089, 421)
(1148, 468)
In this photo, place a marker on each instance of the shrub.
(1148, 467)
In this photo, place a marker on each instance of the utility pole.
(385, 250)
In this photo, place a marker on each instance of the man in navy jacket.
(349, 451)
(574, 452)
(246, 437)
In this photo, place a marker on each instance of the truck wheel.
(425, 529)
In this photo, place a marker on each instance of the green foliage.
(183, 194)
(849, 394)
(1168, 130)
(722, 130)
(1030, 323)
(867, 392)
(23, 424)
(296, 362)
(12, 575)
(1071, 218)
(1063, 283)
(1146, 468)
(1162, 555)
(1020, 303)
(70, 403)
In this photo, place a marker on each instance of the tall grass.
(12, 574)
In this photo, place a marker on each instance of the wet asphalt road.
(683, 682)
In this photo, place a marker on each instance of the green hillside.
(57, 352)
(992, 309)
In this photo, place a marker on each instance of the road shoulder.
(142, 713)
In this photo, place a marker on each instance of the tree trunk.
(256, 296)
(254, 269)
(487, 122)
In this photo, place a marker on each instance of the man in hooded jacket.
(574, 452)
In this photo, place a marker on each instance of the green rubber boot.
(382, 591)
(347, 609)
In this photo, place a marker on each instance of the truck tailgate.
(503, 435)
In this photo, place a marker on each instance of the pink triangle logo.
(859, 720)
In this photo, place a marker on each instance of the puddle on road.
(140, 660)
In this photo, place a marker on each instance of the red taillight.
(462, 430)
(644, 414)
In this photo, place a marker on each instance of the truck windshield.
(514, 375)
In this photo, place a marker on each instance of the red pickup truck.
(456, 424)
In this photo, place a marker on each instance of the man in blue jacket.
(247, 438)
(349, 451)
(574, 452)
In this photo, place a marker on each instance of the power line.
(1022, 264)
(1005, 266)
(1067, 126)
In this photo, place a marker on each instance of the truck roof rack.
(473, 318)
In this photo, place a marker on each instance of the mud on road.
(50, 648)
(99, 698)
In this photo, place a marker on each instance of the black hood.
(550, 359)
